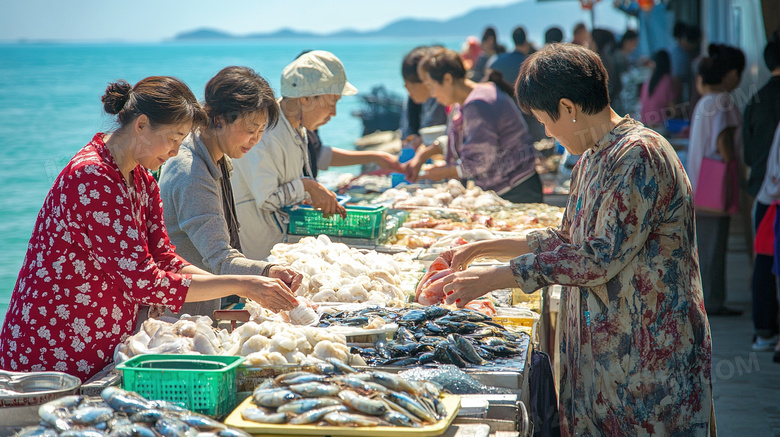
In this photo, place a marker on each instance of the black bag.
(542, 397)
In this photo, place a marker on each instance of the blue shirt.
(508, 64)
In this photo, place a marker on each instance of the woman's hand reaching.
(462, 287)
(270, 293)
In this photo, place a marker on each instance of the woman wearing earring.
(635, 348)
(200, 212)
(488, 138)
(271, 175)
(99, 247)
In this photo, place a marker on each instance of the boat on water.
(380, 111)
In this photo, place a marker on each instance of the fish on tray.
(339, 395)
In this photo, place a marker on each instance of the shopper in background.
(420, 109)
(604, 44)
(553, 35)
(716, 133)
(488, 139)
(633, 326)
(490, 48)
(658, 92)
(200, 212)
(580, 35)
(621, 57)
(508, 64)
(761, 113)
(271, 175)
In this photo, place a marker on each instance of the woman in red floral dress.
(99, 247)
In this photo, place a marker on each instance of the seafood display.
(122, 413)
(435, 334)
(448, 195)
(334, 272)
(267, 343)
(339, 395)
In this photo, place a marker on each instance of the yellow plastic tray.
(451, 403)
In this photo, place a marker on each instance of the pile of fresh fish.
(120, 413)
(342, 396)
(266, 343)
(434, 334)
(334, 272)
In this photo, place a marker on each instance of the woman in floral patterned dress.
(635, 353)
(99, 247)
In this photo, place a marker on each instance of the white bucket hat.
(315, 73)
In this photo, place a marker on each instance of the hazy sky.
(154, 20)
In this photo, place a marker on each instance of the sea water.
(50, 106)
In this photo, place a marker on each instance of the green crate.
(205, 384)
(361, 222)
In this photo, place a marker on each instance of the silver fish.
(346, 419)
(263, 416)
(312, 416)
(304, 405)
(54, 413)
(91, 415)
(274, 398)
(315, 389)
(362, 403)
(409, 403)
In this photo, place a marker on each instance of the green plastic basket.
(205, 384)
(361, 222)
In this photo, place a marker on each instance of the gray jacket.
(192, 203)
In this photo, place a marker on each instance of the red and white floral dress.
(99, 249)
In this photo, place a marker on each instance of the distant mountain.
(535, 16)
(204, 34)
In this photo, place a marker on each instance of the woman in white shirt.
(271, 175)
(716, 133)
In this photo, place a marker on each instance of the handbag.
(717, 190)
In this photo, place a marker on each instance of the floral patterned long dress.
(98, 249)
(636, 347)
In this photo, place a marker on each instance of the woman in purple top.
(488, 139)
(658, 92)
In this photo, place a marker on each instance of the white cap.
(315, 73)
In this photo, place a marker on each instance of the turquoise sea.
(50, 106)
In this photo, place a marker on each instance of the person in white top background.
(271, 175)
(716, 133)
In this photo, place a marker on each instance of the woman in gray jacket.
(198, 204)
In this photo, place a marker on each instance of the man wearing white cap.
(270, 176)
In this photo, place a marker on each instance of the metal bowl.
(18, 389)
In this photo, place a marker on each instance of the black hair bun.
(116, 96)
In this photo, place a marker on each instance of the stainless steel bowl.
(18, 389)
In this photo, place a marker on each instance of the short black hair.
(410, 62)
(562, 71)
(679, 29)
(440, 61)
(693, 34)
(518, 36)
(628, 36)
(721, 60)
(772, 52)
(553, 35)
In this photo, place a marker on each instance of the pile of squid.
(433, 334)
(120, 413)
(339, 395)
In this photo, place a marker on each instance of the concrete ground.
(746, 383)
